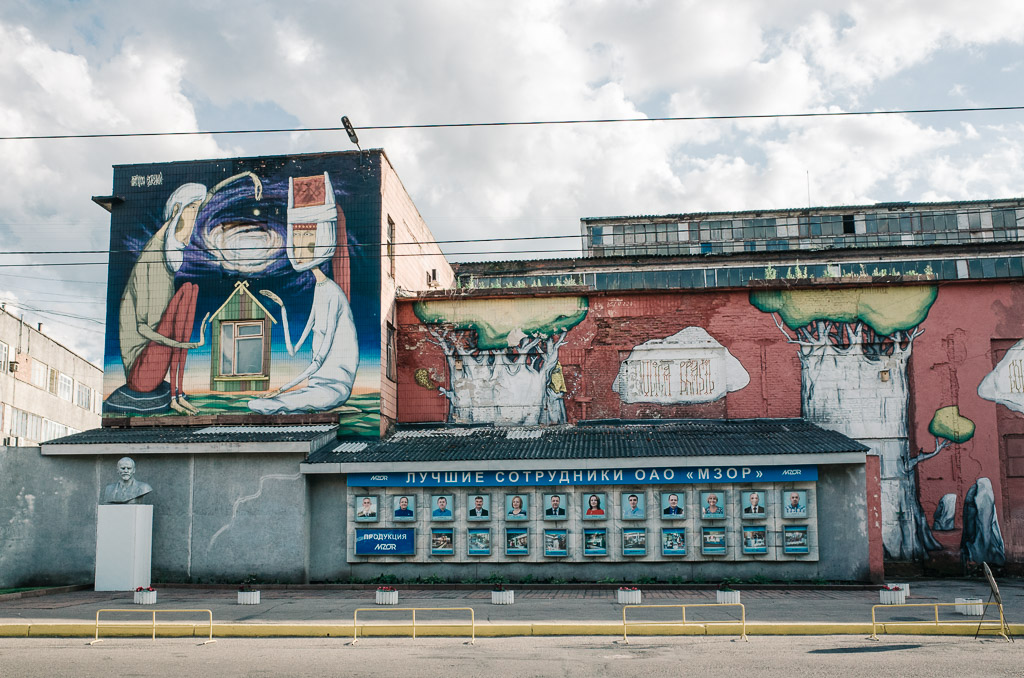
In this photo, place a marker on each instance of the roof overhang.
(586, 464)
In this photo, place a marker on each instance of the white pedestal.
(124, 546)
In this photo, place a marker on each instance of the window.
(241, 348)
(52, 429)
(391, 247)
(4, 356)
(83, 396)
(65, 386)
(1004, 219)
(40, 374)
(389, 367)
(26, 425)
(848, 224)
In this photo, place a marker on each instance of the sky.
(117, 66)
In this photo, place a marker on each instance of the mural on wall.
(688, 367)
(981, 540)
(260, 251)
(1005, 383)
(502, 357)
(948, 427)
(854, 345)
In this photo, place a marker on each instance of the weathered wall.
(931, 378)
(47, 518)
(216, 518)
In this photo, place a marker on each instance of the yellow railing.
(683, 622)
(414, 610)
(121, 624)
(1002, 627)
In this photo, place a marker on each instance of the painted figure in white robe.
(312, 233)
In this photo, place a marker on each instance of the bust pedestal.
(124, 546)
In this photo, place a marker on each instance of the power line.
(519, 123)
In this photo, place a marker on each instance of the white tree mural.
(854, 345)
(502, 357)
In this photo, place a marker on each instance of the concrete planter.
(387, 598)
(897, 597)
(905, 587)
(145, 597)
(969, 607)
(503, 597)
(248, 597)
(628, 596)
(727, 597)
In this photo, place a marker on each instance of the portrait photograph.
(673, 505)
(633, 506)
(403, 508)
(673, 541)
(594, 506)
(712, 541)
(366, 508)
(794, 503)
(795, 539)
(442, 541)
(478, 507)
(442, 506)
(478, 542)
(753, 504)
(595, 542)
(755, 539)
(556, 543)
(517, 506)
(555, 506)
(712, 505)
(517, 541)
(634, 541)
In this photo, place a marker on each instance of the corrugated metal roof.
(207, 434)
(602, 440)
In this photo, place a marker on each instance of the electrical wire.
(519, 123)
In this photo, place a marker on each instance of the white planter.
(727, 597)
(970, 607)
(905, 587)
(503, 597)
(248, 597)
(628, 597)
(145, 597)
(387, 598)
(897, 597)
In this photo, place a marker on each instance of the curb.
(88, 630)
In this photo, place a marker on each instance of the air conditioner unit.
(12, 366)
(12, 441)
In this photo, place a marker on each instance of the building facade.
(46, 391)
(782, 412)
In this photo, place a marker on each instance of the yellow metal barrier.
(414, 610)
(1002, 628)
(153, 612)
(743, 617)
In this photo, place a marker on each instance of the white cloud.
(120, 66)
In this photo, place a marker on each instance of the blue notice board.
(386, 542)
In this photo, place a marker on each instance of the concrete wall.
(47, 518)
(216, 518)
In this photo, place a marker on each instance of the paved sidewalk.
(294, 611)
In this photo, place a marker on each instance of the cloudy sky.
(117, 66)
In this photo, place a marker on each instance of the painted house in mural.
(241, 331)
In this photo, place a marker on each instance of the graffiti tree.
(502, 357)
(854, 345)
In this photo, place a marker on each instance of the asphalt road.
(792, 657)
